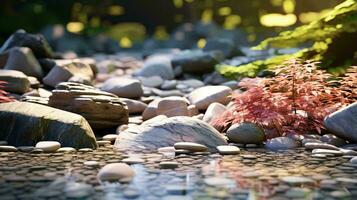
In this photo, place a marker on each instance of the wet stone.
(228, 150)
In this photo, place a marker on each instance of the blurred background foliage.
(132, 21)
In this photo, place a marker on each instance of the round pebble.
(116, 172)
(48, 146)
(226, 150)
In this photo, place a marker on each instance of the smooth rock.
(134, 106)
(228, 150)
(172, 106)
(312, 146)
(281, 143)
(327, 151)
(333, 140)
(219, 182)
(123, 87)
(190, 146)
(224, 45)
(16, 81)
(110, 137)
(343, 123)
(150, 110)
(24, 124)
(133, 160)
(204, 96)
(67, 150)
(91, 163)
(167, 132)
(5, 148)
(152, 81)
(157, 66)
(213, 111)
(246, 133)
(354, 160)
(48, 146)
(116, 172)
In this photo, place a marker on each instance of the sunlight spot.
(289, 6)
(224, 11)
(115, 10)
(207, 16)
(125, 42)
(178, 3)
(276, 19)
(232, 21)
(201, 43)
(75, 27)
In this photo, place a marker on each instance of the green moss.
(331, 38)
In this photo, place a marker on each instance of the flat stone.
(123, 87)
(327, 151)
(312, 146)
(169, 164)
(190, 146)
(5, 148)
(133, 160)
(48, 146)
(297, 180)
(116, 172)
(67, 150)
(219, 182)
(228, 150)
(91, 163)
(26, 149)
(134, 106)
(16, 81)
(110, 137)
(103, 142)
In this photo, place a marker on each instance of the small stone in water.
(297, 180)
(116, 172)
(5, 148)
(48, 146)
(225, 149)
(218, 181)
(133, 160)
(191, 146)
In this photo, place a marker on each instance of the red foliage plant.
(295, 101)
(4, 95)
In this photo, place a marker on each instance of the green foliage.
(331, 38)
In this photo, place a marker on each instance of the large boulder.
(37, 43)
(157, 66)
(343, 123)
(67, 69)
(25, 124)
(16, 81)
(167, 132)
(202, 97)
(123, 87)
(101, 109)
(22, 59)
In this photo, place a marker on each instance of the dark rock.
(195, 61)
(37, 43)
(333, 140)
(224, 45)
(22, 59)
(343, 123)
(167, 132)
(25, 124)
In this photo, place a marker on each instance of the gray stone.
(327, 151)
(101, 109)
(22, 59)
(311, 146)
(134, 106)
(123, 87)
(214, 110)
(333, 140)
(195, 61)
(343, 123)
(204, 96)
(281, 143)
(25, 124)
(224, 45)
(6, 148)
(246, 133)
(152, 81)
(157, 66)
(168, 132)
(354, 160)
(16, 81)
(116, 172)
